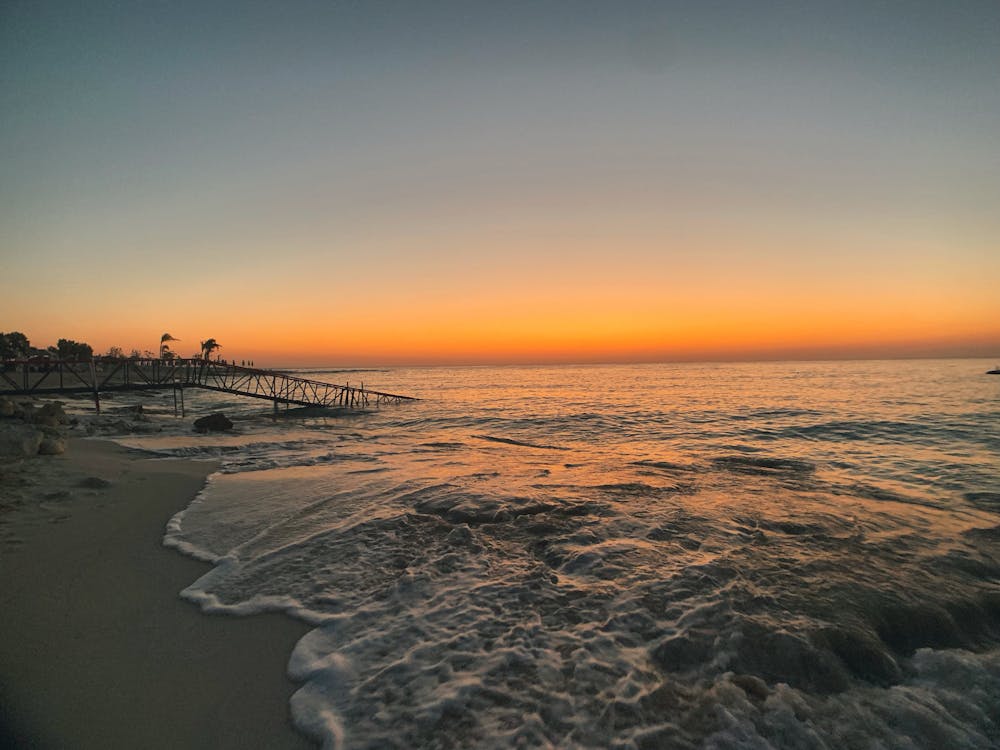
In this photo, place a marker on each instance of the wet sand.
(97, 650)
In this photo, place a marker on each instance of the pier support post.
(97, 394)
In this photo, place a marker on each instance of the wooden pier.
(102, 375)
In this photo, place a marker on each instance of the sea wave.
(454, 614)
(521, 443)
(547, 563)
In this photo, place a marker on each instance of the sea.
(726, 555)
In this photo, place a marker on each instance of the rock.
(52, 446)
(24, 410)
(53, 410)
(46, 421)
(213, 423)
(19, 440)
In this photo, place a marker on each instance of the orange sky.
(641, 320)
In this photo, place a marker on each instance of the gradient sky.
(412, 182)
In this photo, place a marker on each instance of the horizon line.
(599, 363)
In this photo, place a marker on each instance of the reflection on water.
(642, 556)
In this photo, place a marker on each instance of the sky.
(363, 183)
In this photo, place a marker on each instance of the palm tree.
(164, 349)
(208, 346)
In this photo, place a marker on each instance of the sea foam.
(670, 579)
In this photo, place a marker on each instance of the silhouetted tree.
(208, 346)
(164, 349)
(115, 352)
(69, 349)
(14, 345)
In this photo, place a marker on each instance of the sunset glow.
(403, 186)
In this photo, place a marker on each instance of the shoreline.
(97, 649)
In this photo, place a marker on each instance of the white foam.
(174, 535)
(459, 602)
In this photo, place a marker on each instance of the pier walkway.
(51, 377)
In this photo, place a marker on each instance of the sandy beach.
(97, 650)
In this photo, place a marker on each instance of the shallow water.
(740, 555)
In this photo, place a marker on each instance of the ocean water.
(786, 555)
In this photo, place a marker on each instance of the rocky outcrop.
(30, 430)
(18, 440)
(49, 414)
(213, 423)
(25, 411)
(53, 414)
(51, 446)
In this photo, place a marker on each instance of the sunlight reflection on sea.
(624, 556)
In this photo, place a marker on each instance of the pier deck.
(50, 377)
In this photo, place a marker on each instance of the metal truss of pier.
(47, 378)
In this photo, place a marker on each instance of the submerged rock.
(213, 423)
(106, 425)
(93, 483)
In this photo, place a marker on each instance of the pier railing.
(51, 377)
